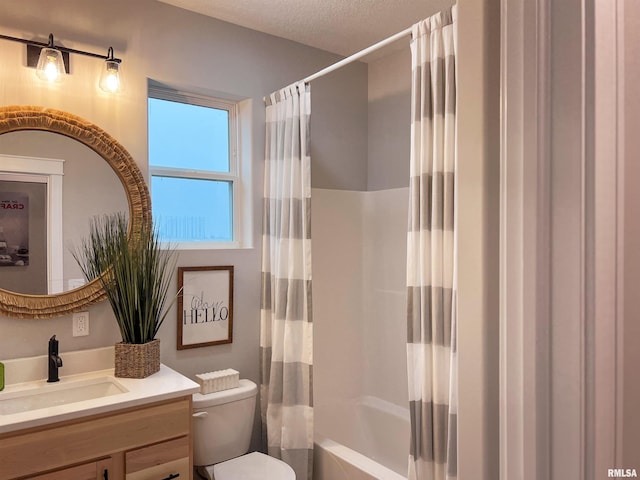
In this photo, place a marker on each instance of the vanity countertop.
(163, 385)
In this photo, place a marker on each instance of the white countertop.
(163, 385)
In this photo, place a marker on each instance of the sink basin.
(46, 395)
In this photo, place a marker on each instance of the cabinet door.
(99, 470)
(162, 461)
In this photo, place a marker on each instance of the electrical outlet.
(80, 324)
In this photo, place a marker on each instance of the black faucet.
(55, 361)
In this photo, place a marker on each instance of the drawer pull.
(201, 414)
(172, 476)
(105, 475)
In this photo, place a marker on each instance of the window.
(195, 169)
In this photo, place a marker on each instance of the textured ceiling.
(339, 26)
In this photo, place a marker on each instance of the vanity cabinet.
(152, 442)
(163, 461)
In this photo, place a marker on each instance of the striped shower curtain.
(286, 330)
(431, 251)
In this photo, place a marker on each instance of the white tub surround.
(352, 440)
(360, 378)
(83, 369)
(334, 461)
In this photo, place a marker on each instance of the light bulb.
(50, 65)
(51, 70)
(110, 78)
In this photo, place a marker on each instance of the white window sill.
(204, 246)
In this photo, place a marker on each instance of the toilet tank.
(223, 423)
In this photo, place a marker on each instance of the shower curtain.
(286, 330)
(431, 251)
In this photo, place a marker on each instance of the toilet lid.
(253, 466)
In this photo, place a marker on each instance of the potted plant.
(136, 281)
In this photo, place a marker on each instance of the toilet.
(222, 427)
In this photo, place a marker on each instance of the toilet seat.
(253, 466)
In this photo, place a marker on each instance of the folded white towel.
(211, 382)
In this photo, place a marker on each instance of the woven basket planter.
(137, 360)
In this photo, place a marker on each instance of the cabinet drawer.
(160, 461)
(88, 471)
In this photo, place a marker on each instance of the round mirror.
(57, 171)
(51, 186)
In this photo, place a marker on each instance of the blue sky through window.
(190, 137)
(191, 210)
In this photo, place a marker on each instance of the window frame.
(233, 176)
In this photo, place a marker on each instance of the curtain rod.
(358, 55)
(355, 56)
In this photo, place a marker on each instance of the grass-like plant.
(137, 273)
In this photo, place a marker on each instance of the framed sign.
(205, 306)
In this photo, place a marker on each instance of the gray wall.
(339, 146)
(478, 117)
(190, 51)
(389, 120)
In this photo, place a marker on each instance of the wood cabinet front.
(163, 461)
(99, 470)
(129, 441)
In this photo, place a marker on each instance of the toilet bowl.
(251, 466)
(222, 427)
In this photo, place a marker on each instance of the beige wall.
(631, 154)
(478, 225)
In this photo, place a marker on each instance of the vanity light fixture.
(110, 77)
(52, 62)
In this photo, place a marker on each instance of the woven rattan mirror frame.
(16, 118)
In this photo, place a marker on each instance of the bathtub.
(364, 439)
